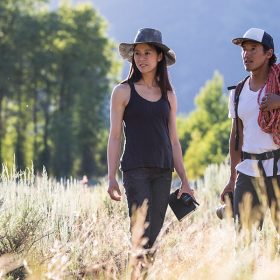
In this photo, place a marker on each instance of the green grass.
(61, 230)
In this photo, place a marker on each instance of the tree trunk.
(35, 129)
(2, 132)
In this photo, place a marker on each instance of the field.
(63, 230)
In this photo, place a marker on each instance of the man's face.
(253, 55)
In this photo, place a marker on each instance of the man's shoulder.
(240, 85)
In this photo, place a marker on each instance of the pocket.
(136, 174)
(167, 175)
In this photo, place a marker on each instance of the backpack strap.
(238, 90)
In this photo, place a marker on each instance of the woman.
(145, 105)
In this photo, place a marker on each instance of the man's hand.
(228, 188)
(114, 190)
(269, 102)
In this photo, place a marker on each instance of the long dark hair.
(161, 74)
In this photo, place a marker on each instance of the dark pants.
(154, 185)
(263, 191)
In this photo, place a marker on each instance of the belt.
(264, 156)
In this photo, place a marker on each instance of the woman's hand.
(185, 188)
(114, 190)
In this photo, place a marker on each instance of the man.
(254, 139)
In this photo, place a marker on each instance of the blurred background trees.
(204, 133)
(56, 73)
(57, 70)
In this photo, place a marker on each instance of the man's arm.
(235, 157)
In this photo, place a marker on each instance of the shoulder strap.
(238, 90)
(132, 87)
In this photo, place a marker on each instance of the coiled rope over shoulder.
(269, 121)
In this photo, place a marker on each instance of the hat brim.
(240, 41)
(126, 51)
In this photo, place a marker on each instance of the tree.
(12, 58)
(207, 129)
(87, 69)
(55, 77)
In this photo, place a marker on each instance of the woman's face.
(146, 58)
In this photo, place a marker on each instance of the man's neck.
(258, 78)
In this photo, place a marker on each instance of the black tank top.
(147, 142)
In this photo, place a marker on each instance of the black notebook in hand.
(183, 206)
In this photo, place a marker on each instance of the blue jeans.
(154, 185)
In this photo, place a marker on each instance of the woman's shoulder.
(121, 88)
(121, 92)
(171, 94)
(172, 99)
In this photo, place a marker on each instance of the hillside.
(200, 33)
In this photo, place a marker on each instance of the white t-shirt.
(255, 141)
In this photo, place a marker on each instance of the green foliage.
(57, 69)
(204, 133)
(18, 228)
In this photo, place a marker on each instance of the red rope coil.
(269, 121)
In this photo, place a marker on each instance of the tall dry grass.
(62, 230)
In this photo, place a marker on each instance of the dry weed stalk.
(8, 263)
(137, 252)
(96, 241)
(58, 264)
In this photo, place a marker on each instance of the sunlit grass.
(63, 230)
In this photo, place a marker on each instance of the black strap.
(231, 87)
(261, 169)
(238, 90)
(263, 156)
(275, 166)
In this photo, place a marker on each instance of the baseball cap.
(256, 35)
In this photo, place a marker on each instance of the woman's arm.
(119, 100)
(176, 147)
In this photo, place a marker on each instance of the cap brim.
(240, 41)
(126, 51)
